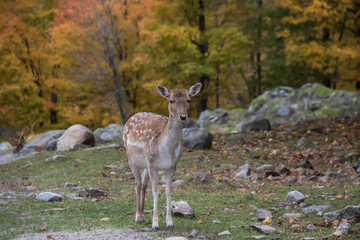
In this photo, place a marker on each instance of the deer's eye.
(188, 101)
(171, 101)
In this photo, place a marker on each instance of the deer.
(154, 142)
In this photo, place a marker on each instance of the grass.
(222, 199)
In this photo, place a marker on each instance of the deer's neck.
(172, 133)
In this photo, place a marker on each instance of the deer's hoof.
(155, 229)
(170, 227)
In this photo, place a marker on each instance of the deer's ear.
(194, 89)
(163, 91)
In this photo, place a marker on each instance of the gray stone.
(70, 185)
(305, 164)
(197, 138)
(114, 146)
(29, 189)
(357, 167)
(52, 145)
(244, 172)
(182, 208)
(263, 228)
(254, 125)
(304, 141)
(284, 170)
(7, 195)
(77, 146)
(294, 216)
(283, 111)
(4, 146)
(262, 214)
(110, 133)
(177, 183)
(294, 196)
(49, 197)
(295, 227)
(204, 177)
(43, 139)
(76, 134)
(193, 233)
(224, 233)
(258, 237)
(265, 168)
(216, 222)
(317, 208)
(344, 227)
(350, 213)
(310, 227)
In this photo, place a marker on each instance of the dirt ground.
(96, 234)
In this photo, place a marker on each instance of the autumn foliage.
(98, 61)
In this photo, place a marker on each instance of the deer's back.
(142, 130)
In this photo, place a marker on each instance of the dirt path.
(96, 234)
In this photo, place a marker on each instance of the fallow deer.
(154, 142)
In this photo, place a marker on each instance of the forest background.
(97, 62)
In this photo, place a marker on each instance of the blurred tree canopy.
(98, 61)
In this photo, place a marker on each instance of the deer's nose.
(183, 118)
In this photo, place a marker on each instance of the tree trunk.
(53, 119)
(258, 55)
(203, 48)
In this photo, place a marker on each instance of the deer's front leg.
(169, 174)
(155, 191)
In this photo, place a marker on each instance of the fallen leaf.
(267, 220)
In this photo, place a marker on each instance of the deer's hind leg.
(144, 183)
(139, 213)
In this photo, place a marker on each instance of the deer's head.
(179, 100)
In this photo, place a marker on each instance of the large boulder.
(76, 134)
(42, 140)
(4, 146)
(351, 213)
(261, 124)
(311, 101)
(110, 133)
(196, 137)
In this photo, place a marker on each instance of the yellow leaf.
(267, 220)
(200, 221)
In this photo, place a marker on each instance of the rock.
(76, 134)
(249, 149)
(58, 158)
(317, 208)
(295, 196)
(77, 146)
(189, 123)
(310, 228)
(216, 222)
(254, 125)
(305, 164)
(110, 133)
(262, 214)
(49, 197)
(265, 168)
(343, 228)
(304, 142)
(224, 233)
(28, 151)
(204, 177)
(284, 171)
(283, 111)
(4, 146)
(114, 146)
(7, 195)
(42, 140)
(258, 237)
(356, 167)
(244, 172)
(193, 233)
(218, 116)
(70, 185)
(29, 189)
(351, 213)
(294, 216)
(295, 227)
(263, 228)
(182, 209)
(52, 145)
(197, 138)
(177, 183)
